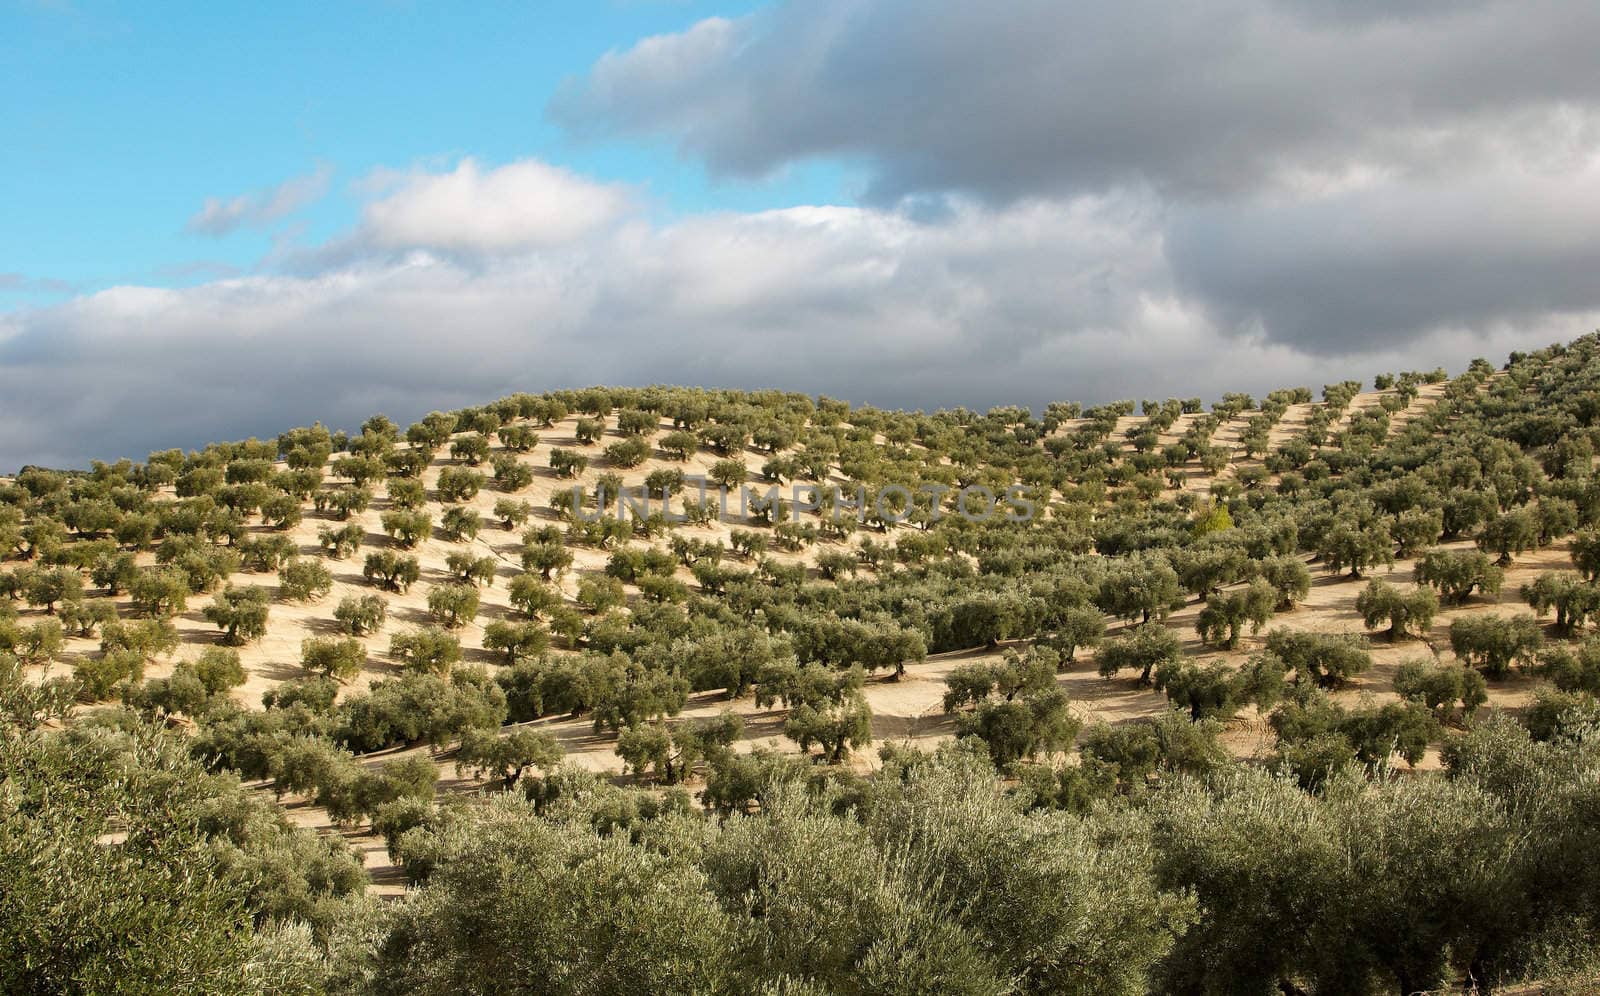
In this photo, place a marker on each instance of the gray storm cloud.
(1037, 97)
(1333, 176)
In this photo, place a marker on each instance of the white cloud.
(219, 216)
(522, 205)
(1038, 301)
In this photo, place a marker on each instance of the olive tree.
(453, 605)
(159, 594)
(728, 474)
(458, 484)
(1493, 643)
(342, 542)
(333, 658)
(1440, 687)
(532, 595)
(407, 529)
(460, 524)
(679, 445)
(510, 474)
(1586, 553)
(45, 586)
(1574, 600)
(1289, 577)
(629, 452)
(1225, 614)
(516, 640)
(1328, 660)
(549, 559)
(1356, 547)
(512, 513)
(589, 430)
(567, 463)
(304, 580)
(836, 729)
(471, 449)
(1510, 533)
(1405, 612)
(469, 569)
(1457, 573)
(517, 438)
(1139, 589)
(390, 570)
(360, 615)
(486, 752)
(1144, 649)
(1075, 628)
(431, 649)
(241, 613)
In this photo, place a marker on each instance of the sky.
(225, 220)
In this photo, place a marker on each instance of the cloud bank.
(1032, 302)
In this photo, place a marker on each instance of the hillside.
(1308, 613)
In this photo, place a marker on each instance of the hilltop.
(421, 642)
